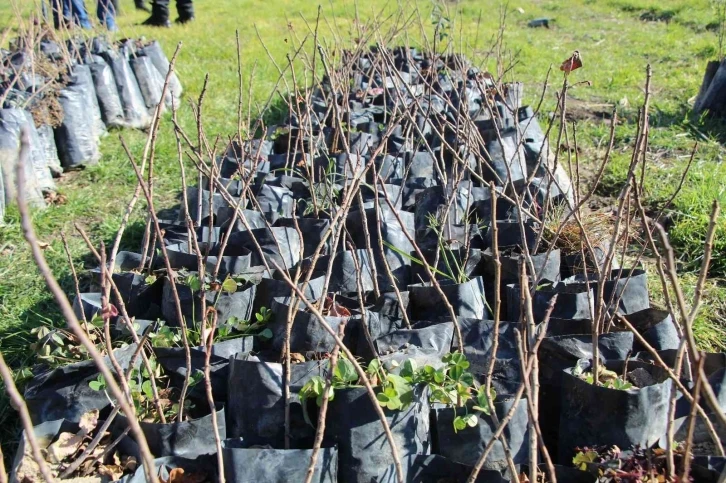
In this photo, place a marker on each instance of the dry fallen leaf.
(113, 472)
(54, 198)
(43, 245)
(177, 475)
(89, 421)
(130, 464)
(334, 309)
(296, 358)
(574, 62)
(28, 470)
(66, 445)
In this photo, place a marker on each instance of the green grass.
(616, 46)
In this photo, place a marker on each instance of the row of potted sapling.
(68, 94)
(377, 271)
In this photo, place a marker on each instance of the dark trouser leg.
(185, 9)
(159, 14)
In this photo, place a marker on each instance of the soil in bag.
(620, 411)
(173, 361)
(467, 299)
(625, 290)
(64, 392)
(188, 439)
(559, 353)
(37, 157)
(135, 113)
(74, 138)
(11, 121)
(109, 102)
(466, 445)
(47, 142)
(574, 301)
(256, 406)
(435, 337)
(478, 338)
(657, 328)
(150, 82)
(82, 76)
(363, 450)
(307, 332)
(243, 464)
(161, 62)
(227, 305)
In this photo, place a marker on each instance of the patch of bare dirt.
(578, 110)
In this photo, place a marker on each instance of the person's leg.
(141, 5)
(106, 12)
(185, 9)
(79, 14)
(56, 8)
(159, 14)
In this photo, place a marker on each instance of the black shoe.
(155, 21)
(183, 20)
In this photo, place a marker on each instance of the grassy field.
(617, 39)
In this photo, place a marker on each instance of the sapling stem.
(527, 368)
(19, 404)
(67, 310)
(361, 373)
(76, 285)
(692, 420)
(320, 430)
(209, 345)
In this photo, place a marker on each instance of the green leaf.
(196, 378)
(471, 420)
(97, 321)
(194, 283)
(374, 367)
(266, 334)
(582, 459)
(147, 389)
(456, 372)
(408, 370)
(345, 371)
(150, 279)
(402, 388)
(229, 286)
(99, 384)
(459, 424)
(57, 339)
(416, 260)
(467, 379)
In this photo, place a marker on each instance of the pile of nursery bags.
(400, 315)
(66, 96)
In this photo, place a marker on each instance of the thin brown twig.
(19, 404)
(69, 315)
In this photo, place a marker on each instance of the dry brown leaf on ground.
(89, 421)
(28, 470)
(178, 475)
(66, 445)
(296, 358)
(113, 472)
